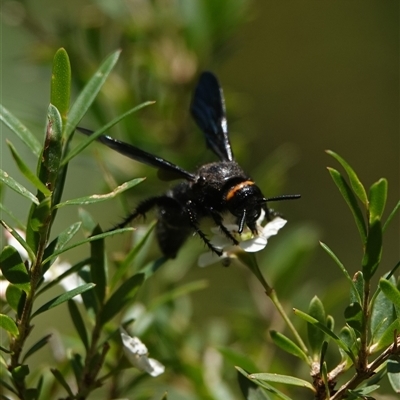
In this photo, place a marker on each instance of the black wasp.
(212, 190)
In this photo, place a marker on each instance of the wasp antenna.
(281, 197)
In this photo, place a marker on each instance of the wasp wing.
(208, 110)
(126, 149)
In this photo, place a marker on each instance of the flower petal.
(254, 245)
(273, 227)
(137, 354)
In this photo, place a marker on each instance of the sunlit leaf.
(20, 240)
(373, 250)
(13, 296)
(377, 199)
(355, 182)
(390, 291)
(351, 201)
(315, 335)
(8, 324)
(285, 379)
(61, 83)
(14, 269)
(288, 345)
(96, 198)
(25, 170)
(56, 301)
(393, 370)
(17, 187)
(89, 93)
(20, 130)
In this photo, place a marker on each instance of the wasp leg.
(218, 221)
(194, 223)
(144, 207)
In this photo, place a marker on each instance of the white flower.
(137, 354)
(247, 241)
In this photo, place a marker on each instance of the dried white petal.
(137, 354)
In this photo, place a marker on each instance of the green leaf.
(382, 313)
(20, 130)
(61, 83)
(351, 201)
(20, 240)
(8, 324)
(250, 390)
(342, 268)
(26, 171)
(390, 291)
(391, 216)
(285, 379)
(98, 266)
(49, 163)
(130, 257)
(78, 149)
(377, 199)
(97, 198)
(288, 345)
(20, 372)
(60, 242)
(373, 250)
(387, 337)
(78, 322)
(325, 329)
(393, 371)
(315, 335)
(87, 240)
(56, 301)
(13, 296)
(37, 346)
(17, 187)
(236, 358)
(356, 184)
(357, 294)
(60, 378)
(89, 93)
(347, 336)
(13, 269)
(354, 316)
(88, 223)
(40, 214)
(265, 385)
(121, 297)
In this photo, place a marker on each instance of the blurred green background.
(299, 77)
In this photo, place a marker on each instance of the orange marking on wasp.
(237, 187)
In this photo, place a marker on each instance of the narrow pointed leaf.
(56, 301)
(88, 223)
(37, 346)
(78, 322)
(60, 378)
(391, 216)
(87, 240)
(373, 250)
(13, 268)
(341, 266)
(17, 187)
(98, 266)
(61, 83)
(20, 130)
(20, 240)
(250, 390)
(354, 316)
(351, 201)
(387, 337)
(325, 329)
(265, 385)
(355, 182)
(288, 345)
(377, 199)
(285, 379)
(357, 296)
(89, 93)
(8, 324)
(78, 149)
(27, 172)
(315, 335)
(97, 198)
(18, 223)
(121, 297)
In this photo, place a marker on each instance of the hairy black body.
(211, 191)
